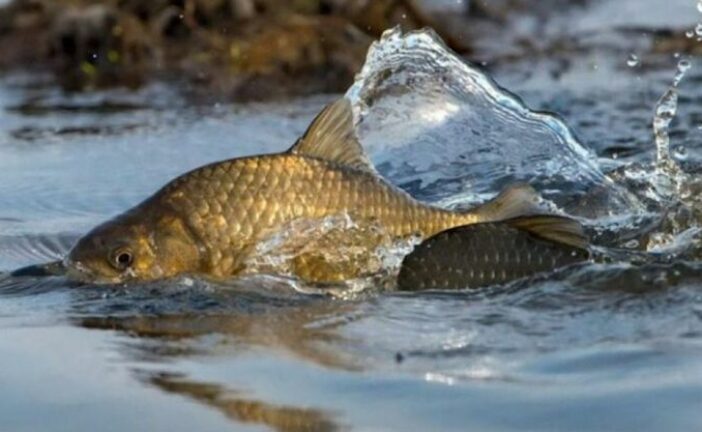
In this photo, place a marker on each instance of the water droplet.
(670, 178)
(633, 60)
(680, 152)
(676, 55)
(683, 66)
(699, 6)
(698, 29)
(632, 244)
(689, 34)
(666, 167)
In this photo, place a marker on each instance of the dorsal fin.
(559, 229)
(332, 137)
(514, 201)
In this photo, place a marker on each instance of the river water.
(610, 345)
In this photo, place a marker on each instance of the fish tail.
(518, 206)
(514, 201)
(558, 229)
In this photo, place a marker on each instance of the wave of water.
(446, 132)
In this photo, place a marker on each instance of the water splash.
(339, 246)
(670, 178)
(668, 173)
(446, 132)
(675, 188)
(633, 60)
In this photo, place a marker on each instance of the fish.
(212, 220)
(492, 253)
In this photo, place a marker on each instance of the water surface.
(613, 345)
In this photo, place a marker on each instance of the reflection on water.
(613, 345)
(297, 331)
(278, 418)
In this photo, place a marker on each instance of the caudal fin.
(558, 229)
(518, 206)
(514, 201)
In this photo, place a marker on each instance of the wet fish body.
(485, 254)
(211, 220)
(232, 206)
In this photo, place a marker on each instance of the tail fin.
(514, 201)
(518, 206)
(558, 229)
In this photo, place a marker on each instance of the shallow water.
(614, 345)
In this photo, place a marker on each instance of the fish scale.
(480, 255)
(274, 203)
(319, 212)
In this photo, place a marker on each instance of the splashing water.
(633, 60)
(443, 130)
(446, 132)
(669, 175)
(310, 241)
(675, 188)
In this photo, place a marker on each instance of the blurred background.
(262, 49)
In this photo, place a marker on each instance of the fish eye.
(122, 258)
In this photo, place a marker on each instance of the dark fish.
(484, 254)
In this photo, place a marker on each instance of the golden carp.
(212, 220)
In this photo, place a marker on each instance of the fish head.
(133, 249)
